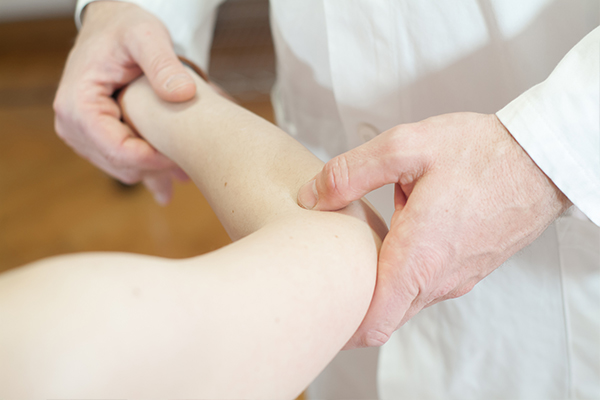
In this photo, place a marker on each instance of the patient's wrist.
(154, 119)
(120, 96)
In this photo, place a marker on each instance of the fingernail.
(161, 199)
(177, 81)
(308, 196)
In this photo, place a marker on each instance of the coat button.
(366, 131)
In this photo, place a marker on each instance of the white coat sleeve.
(190, 23)
(557, 122)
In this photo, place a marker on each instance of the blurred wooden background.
(53, 202)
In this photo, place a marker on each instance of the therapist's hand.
(467, 198)
(117, 43)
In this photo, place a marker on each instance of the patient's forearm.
(256, 319)
(249, 170)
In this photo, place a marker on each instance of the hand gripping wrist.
(121, 92)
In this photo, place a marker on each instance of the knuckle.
(337, 177)
(67, 122)
(428, 272)
(113, 159)
(409, 141)
(446, 289)
(160, 65)
(424, 273)
(375, 338)
(395, 140)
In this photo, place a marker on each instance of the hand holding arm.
(256, 319)
(467, 195)
(117, 43)
(467, 198)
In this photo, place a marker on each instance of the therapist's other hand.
(467, 198)
(117, 43)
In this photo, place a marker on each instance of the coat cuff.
(79, 11)
(557, 122)
(189, 22)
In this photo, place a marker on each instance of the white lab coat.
(350, 69)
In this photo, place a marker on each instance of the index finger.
(124, 148)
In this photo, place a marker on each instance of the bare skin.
(116, 44)
(257, 319)
(467, 198)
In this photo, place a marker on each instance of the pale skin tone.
(117, 43)
(257, 319)
(468, 196)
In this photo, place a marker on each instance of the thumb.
(351, 175)
(154, 53)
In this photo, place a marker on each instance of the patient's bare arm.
(257, 319)
(249, 170)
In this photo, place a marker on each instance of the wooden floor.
(53, 202)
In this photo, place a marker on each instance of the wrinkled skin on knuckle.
(397, 276)
(113, 158)
(336, 183)
(159, 66)
(409, 149)
(375, 338)
(442, 289)
(429, 268)
(397, 139)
